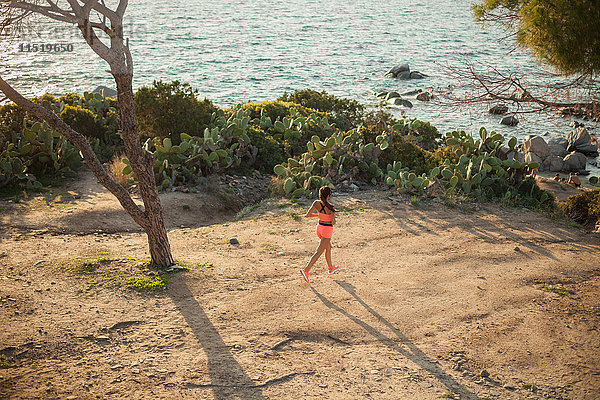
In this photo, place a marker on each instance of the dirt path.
(428, 296)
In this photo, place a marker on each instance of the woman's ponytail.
(324, 193)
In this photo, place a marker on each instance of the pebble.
(509, 387)
(39, 263)
(281, 253)
(484, 373)
(234, 241)
(517, 249)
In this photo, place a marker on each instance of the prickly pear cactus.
(223, 146)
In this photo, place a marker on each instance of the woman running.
(326, 213)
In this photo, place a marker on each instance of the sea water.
(236, 51)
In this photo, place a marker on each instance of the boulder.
(397, 101)
(108, 92)
(537, 145)
(417, 75)
(558, 150)
(404, 75)
(499, 109)
(574, 161)
(515, 155)
(559, 140)
(509, 120)
(397, 69)
(553, 163)
(580, 140)
(381, 94)
(412, 92)
(391, 95)
(425, 96)
(590, 150)
(532, 157)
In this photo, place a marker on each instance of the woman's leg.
(328, 254)
(322, 246)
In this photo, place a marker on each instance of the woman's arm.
(333, 218)
(311, 211)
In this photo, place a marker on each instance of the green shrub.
(168, 109)
(278, 109)
(427, 136)
(583, 208)
(83, 121)
(270, 150)
(11, 121)
(345, 113)
(408, 153)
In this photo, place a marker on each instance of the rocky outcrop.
(402, 71)
(552, 157)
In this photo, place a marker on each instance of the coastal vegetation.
(294, 137)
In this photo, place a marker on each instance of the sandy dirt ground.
(432, 301)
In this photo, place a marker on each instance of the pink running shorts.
(324, 231)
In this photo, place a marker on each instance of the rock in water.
(391, 95)
(108, 92)
(404, 75)
(396, 69)
(417, 75)
(509, 120)
(498, 110)
(425, 96)
(412, 92)
(397, 101)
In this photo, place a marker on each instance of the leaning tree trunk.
(151, 219)
(142, 164)
(118, 57)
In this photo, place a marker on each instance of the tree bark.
(142, 165)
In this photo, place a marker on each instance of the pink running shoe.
(333, 269)
(304, 275)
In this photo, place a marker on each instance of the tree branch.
(46, 11)
(84, 147)
(121, 8)
(112, 16)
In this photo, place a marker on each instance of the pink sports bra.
(322, 216)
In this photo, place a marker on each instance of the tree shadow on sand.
(227, 377)
(410, 351)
